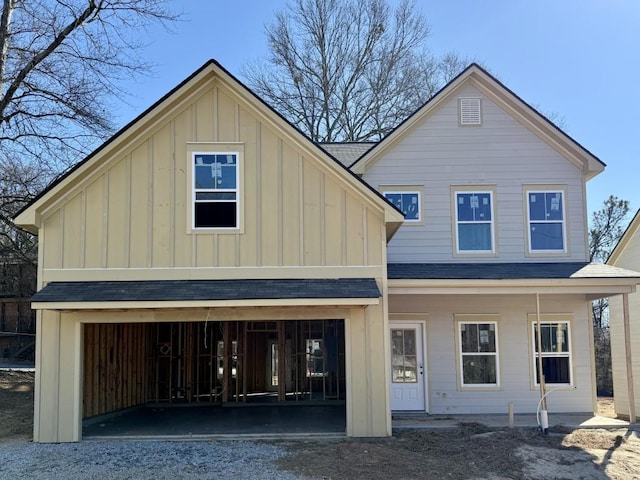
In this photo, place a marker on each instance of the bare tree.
(60, 64)
(349, 70)
(607, 227)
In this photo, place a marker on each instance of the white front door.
(407, 367)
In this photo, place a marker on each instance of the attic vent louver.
(470, 111)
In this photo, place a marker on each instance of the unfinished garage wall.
(115, 367)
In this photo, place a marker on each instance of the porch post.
(539, 342)
(627, 352)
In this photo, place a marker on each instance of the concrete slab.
(18, 365)
(408, 421)
(209, 421)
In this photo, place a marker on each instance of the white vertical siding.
(515, 352)
(502, 152)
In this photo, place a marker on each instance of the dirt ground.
(469, 452)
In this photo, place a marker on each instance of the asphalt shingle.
(177, 290)
(504, 271)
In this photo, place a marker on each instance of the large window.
(546, 221)
(478, 350)
(474, 221)
(215, 190)
(555, 351)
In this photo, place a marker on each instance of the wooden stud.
(226, 353)
(282, 371)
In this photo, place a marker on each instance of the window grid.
(482, 333)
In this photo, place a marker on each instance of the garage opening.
(217, 365)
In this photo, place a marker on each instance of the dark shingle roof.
(504, 271)
(185, 290)
(347, 152)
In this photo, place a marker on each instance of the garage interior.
(137, 376)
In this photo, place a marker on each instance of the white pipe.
(544, 412)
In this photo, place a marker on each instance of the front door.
(407, 367)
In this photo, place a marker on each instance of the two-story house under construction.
(209, 254)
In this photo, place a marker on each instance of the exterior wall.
(59, 395)
(58, 385)
(127, 219)
(134, 212)
(618, 359)
(629, 258)
(503, 153)
(515, 347)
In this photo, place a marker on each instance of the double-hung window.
(478, 350)
(408, 202)
(555, 349)
(474, 221)
(546, 221)
(215, 190)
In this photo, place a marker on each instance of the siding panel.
(502, 152)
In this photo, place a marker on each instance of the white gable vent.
(470, 112)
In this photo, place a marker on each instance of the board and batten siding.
(502, 153)
(133, 212)
(515, 349)
(628, 258)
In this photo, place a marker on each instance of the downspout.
(544, 419)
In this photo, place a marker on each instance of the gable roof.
(493, 89)
(629, 232)
(29, 216)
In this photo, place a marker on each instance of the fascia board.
(296, 302)
(628, 234)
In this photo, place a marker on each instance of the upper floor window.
(215, 190)
(474, 221)
(408, 202)
(546, 221)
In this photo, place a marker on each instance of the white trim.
(402, 320)
(276, 302)
(563, 222)
(462, 354)
(491, 223)
(547, 320)
(237, 190)
(407, 192)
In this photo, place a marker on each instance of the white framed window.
(555, 340)
(408, 202)
(546, 221)
(474, 221)
(478, 353)
(215, 190)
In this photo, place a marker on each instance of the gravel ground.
(141, 460)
